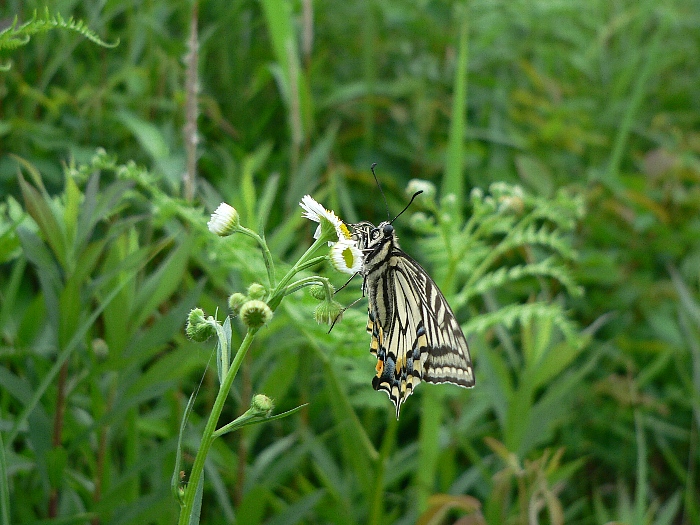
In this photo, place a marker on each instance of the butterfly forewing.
(415, 335)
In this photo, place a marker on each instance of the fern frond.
(547, 268)
(543, 236)
(16, 35)
(523, 313)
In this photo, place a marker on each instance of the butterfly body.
(415, 335)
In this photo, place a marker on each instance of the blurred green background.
(587, 405)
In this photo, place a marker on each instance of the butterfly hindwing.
(415, 335)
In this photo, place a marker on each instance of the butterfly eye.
(388, 229)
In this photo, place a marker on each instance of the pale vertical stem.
(454, 163)
(191, 109)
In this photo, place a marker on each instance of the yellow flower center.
(347, 257)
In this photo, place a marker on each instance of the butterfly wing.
(415, 335)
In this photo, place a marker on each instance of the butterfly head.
(370, 237)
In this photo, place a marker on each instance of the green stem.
(429, 447)
(267, 256)
(376, 514)
(307, 281)
(454, 178)
(312, 262)
(210, 428)
(280, 290)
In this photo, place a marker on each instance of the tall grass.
(586, 404)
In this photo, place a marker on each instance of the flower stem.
(267, 256)
(308, 281)
(280, 290)
(210, 428)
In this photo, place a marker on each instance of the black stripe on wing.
(422, 340)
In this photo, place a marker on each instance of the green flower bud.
(255, 313)
(261, 405)
(256, 291)
(198, 327)
(235, 301)
(327, 312)
(318, 291)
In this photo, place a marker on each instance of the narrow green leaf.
(453, 182)
(296, 512)
(149, 135)
(280, 26)
(163, 282)
(250, 166)
(223, 348)
(197, 506)
(640, 499)
(47, 268)
(244, 421)
(70, 309)
(650, 60)
(175, 480)
(41, 211)
(306, 178)
(4, 487)
(100, 204)
(72, 201)
(65, 353)
(266, 201)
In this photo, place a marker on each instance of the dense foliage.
(562, 138)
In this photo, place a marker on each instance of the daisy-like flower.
(328, 222)
(346, 257)
(224, 221)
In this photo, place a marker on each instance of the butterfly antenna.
(381, 190)
(407, 205)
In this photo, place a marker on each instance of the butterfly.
(415, 336)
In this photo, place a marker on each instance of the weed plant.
(558, 147)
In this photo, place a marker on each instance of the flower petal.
(346, 257)
(224, 221)
(317, 213)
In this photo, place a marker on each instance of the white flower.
(317, 213)
(224, 221)
(346, 256)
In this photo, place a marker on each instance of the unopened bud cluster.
(200, 328)
(251, 308)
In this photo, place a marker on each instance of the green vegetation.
(562, 140)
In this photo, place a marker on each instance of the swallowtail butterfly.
(415, 335)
